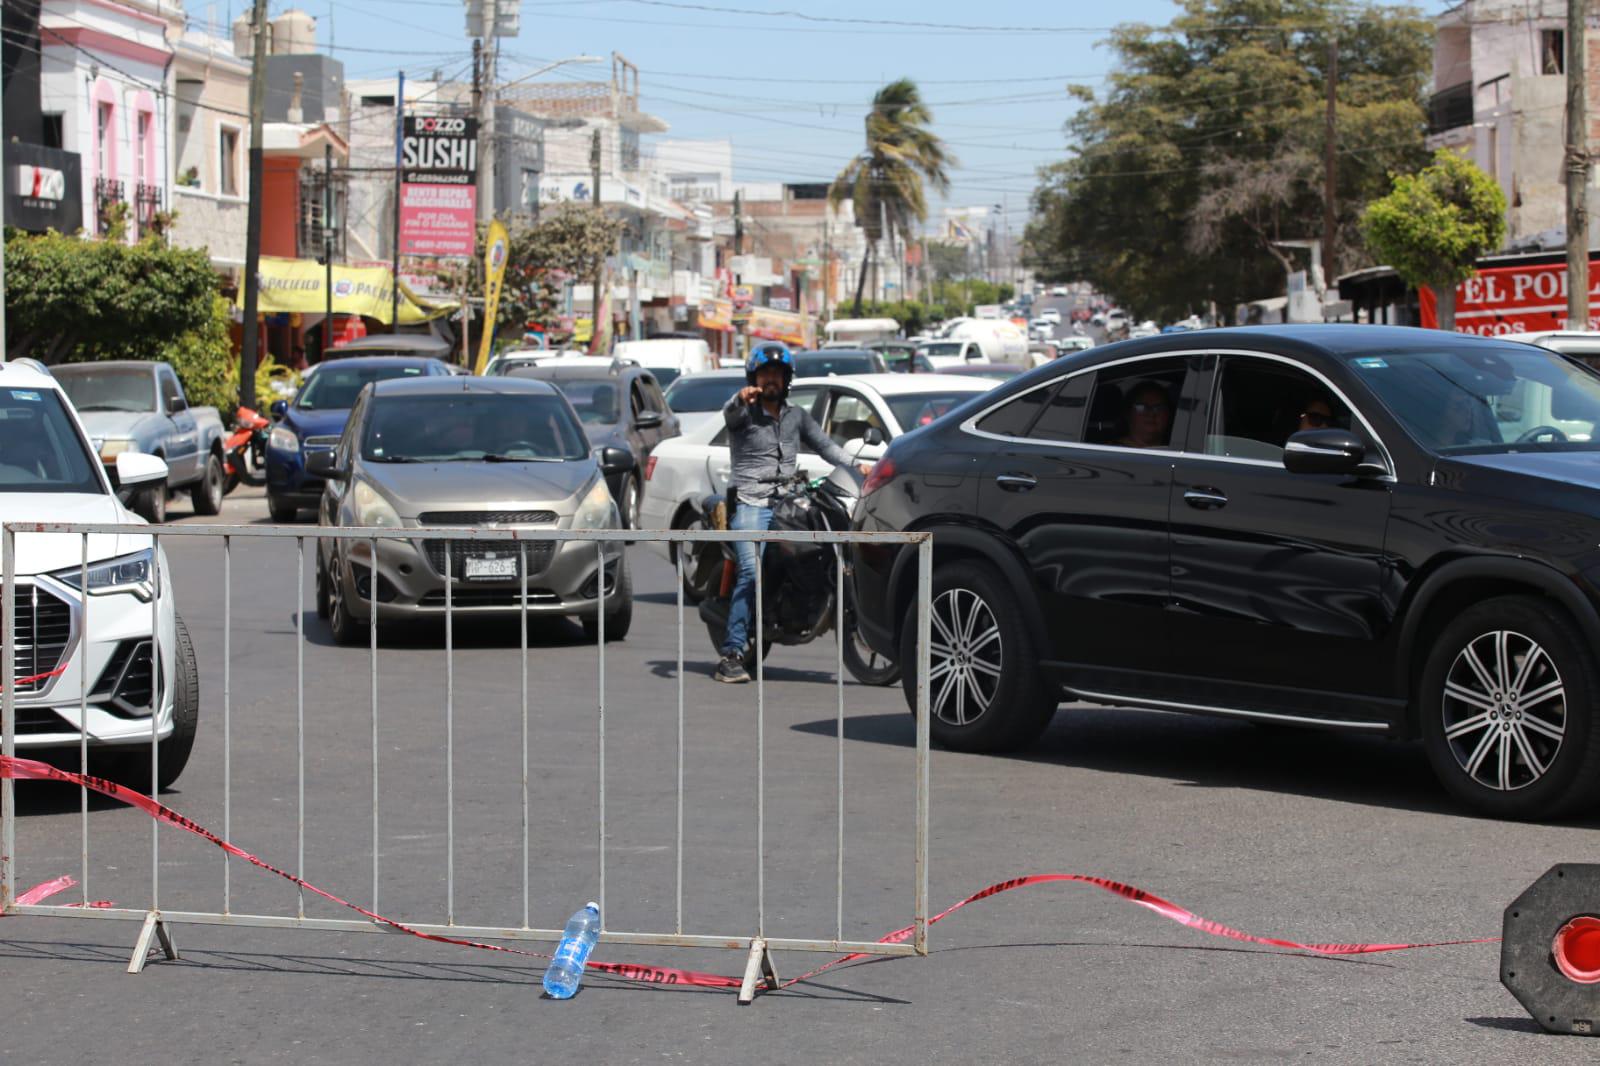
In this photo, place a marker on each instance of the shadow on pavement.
(1199, 752)
(544, 631)
(1510, 1025)
(668, 668)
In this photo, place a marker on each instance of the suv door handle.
(1205, 498)
(1016, 482)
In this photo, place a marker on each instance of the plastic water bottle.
(572, 954)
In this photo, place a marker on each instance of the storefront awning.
(296, 285)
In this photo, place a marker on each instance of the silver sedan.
(495, 453)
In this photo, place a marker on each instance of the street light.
(547, 68)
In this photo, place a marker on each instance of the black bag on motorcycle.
(803, 571)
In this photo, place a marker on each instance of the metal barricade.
(156, 921)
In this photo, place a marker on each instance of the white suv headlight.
(372, 509)
(127, 573)
(596, 511)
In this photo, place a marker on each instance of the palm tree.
(885, 182)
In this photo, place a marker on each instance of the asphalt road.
(1312, 836)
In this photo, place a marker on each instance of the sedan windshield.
(462, 427)
(1476, 400)
(695, 393)
(108, 388)
(335, 387)
(918, 409)
(40, 451)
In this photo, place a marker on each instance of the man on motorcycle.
(764, 438)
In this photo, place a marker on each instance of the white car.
(686, 469)
(1060, 290)
(1051, 315)
(1581, 344)
(698, 398)
(48, 473)
(942, 355)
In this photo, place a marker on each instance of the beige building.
(210, 145)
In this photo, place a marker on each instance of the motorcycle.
(798, 580)
(245, 450)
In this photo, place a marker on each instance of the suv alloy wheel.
(1508, 704)
(985, 691)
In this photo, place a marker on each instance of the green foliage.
(1206, 147)
(564, 244)
(1438, 222)
(968, 294)
(65, 293)
(885, 182)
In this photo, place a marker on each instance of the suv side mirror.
(873, 436)
(139, 468)
(1323, 451)
(648, 419)
(324, 463)
(279, 408)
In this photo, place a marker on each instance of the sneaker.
(731, 671)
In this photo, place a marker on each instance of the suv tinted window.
(40, 451)
(1133, 404)
(1062, 417)
(1258, 404)
(1014, 419)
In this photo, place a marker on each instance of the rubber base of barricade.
(30, 770)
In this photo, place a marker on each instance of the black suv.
(1352, 527)
(624, 413)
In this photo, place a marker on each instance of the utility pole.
(1577, 166)
(252, 245)
(599, 259)
(399, 147)
(483, 104)
(327, 250)
(1330, 174)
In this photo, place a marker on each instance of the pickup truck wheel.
(151, 504)
(208, 491)
(281, 511)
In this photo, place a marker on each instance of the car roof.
(418, 343)
(402, 361)
(18, 374)
(564, 371)
(1336, 339)
(904, 384)
(114, 364)
(709, 375)
(452, 384)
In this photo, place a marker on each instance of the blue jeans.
(742, 602)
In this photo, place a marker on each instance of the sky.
(789, 87)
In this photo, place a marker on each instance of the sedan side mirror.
(279, 408)
(615, 460)
(1323, 451)
(324, 463)
(648, 419)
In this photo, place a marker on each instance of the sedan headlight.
(127, 573)
(372, 509)
(596, 511)
(111, 447)
(283, 439)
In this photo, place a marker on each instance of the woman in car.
(1148, 416)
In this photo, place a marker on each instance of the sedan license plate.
(486, 569)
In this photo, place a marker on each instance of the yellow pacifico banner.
(496, 250)
(716, 314)
(290, 286)
(786, 326)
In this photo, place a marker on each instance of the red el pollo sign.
(1514, 299)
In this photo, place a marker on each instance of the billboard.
(442, 149)
(1515, 299)
(439, 220)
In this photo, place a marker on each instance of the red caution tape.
(57, 672)
(28, 769)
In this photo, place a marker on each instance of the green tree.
(885, 182)
(65, 293)
(1436, 224)
(1206, 147)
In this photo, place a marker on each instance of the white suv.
(48, 473)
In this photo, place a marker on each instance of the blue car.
(315, 420)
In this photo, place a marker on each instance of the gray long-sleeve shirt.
(765, 449)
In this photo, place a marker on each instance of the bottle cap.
(592, 905)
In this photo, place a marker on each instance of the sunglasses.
(1315, 418)
(1149, 408)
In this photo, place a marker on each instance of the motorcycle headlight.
(284, 440)
(372, 509)
(596, 511)
(111, 447)
(127, 573)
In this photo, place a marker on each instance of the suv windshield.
(918, 409)
(335, 388)
(821, 364)
(1477, 400)
(595, 399)
(40, 450)
(944, 348)
(108, 388)
(462, 427)
(702, 393)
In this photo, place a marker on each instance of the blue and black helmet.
(769, 353)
